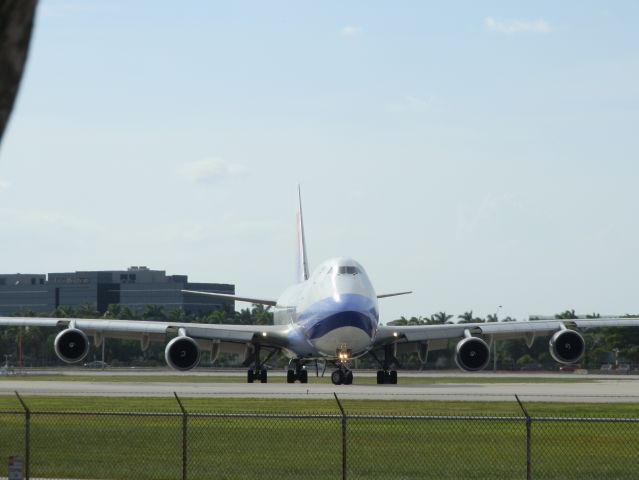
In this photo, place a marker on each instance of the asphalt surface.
(606, 388)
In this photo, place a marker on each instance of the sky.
(478, 153)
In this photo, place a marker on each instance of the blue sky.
(478, 153)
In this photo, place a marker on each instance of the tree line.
(603, 345)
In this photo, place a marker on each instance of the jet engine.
(472, 354)
(567, 346)
(182, 353)
(71, 345)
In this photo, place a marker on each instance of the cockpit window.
(347, 270)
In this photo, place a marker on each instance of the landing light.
(394, 334)
(264, 334)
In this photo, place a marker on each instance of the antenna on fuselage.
(302, 259)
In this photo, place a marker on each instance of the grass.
(121, 446)
(297, 406)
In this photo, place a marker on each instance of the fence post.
(528, 439)
(341, 408)
(184, 435)
(27, 436)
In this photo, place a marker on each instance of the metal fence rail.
(205, 445)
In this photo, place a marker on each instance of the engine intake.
(567, 346)
(472, 354)
(71, 345)
(182, 353)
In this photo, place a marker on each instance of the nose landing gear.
(342, 376)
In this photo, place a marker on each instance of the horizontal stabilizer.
(392, 294)
(225, 296)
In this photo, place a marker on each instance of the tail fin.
(302, 259)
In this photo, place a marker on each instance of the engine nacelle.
(472, 354)
(567, 346)
(71, 345)
(182, 353)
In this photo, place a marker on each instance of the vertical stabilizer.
(302, 259)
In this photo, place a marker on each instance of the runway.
(600, 389)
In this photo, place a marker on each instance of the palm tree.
(87, 310)
(113, 311)
(127, 314)
(217, 317)
(63, 311)
(261, 316)
(492, 317)
(153, 312)
(466, 317)
(440, 317)
(568, 314)
(177, 315)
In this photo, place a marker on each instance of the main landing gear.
(386, 376)
(297, 373)
(259, 374)
(258, 371)
(342, 376)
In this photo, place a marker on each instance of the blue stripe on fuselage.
(339, 320)
(350, 310)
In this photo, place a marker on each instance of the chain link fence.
(204, 445)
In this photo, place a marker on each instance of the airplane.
(331, 315)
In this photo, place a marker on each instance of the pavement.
(605, 388)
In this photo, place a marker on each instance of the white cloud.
(211, 170)
(411, 104)
(510, 26)
(352, 31)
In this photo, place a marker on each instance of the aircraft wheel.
(337, 377)
(304, 376)
(348, 380)
(380, 377)
(393, 377)
(290, 376)
(250, 376)
(263, 376)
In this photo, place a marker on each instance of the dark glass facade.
(135, 288)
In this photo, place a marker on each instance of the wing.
(472, 352)
(226, 296)
(386, 295)
(145, 331)
(497, 330)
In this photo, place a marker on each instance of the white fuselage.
(334, 312)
